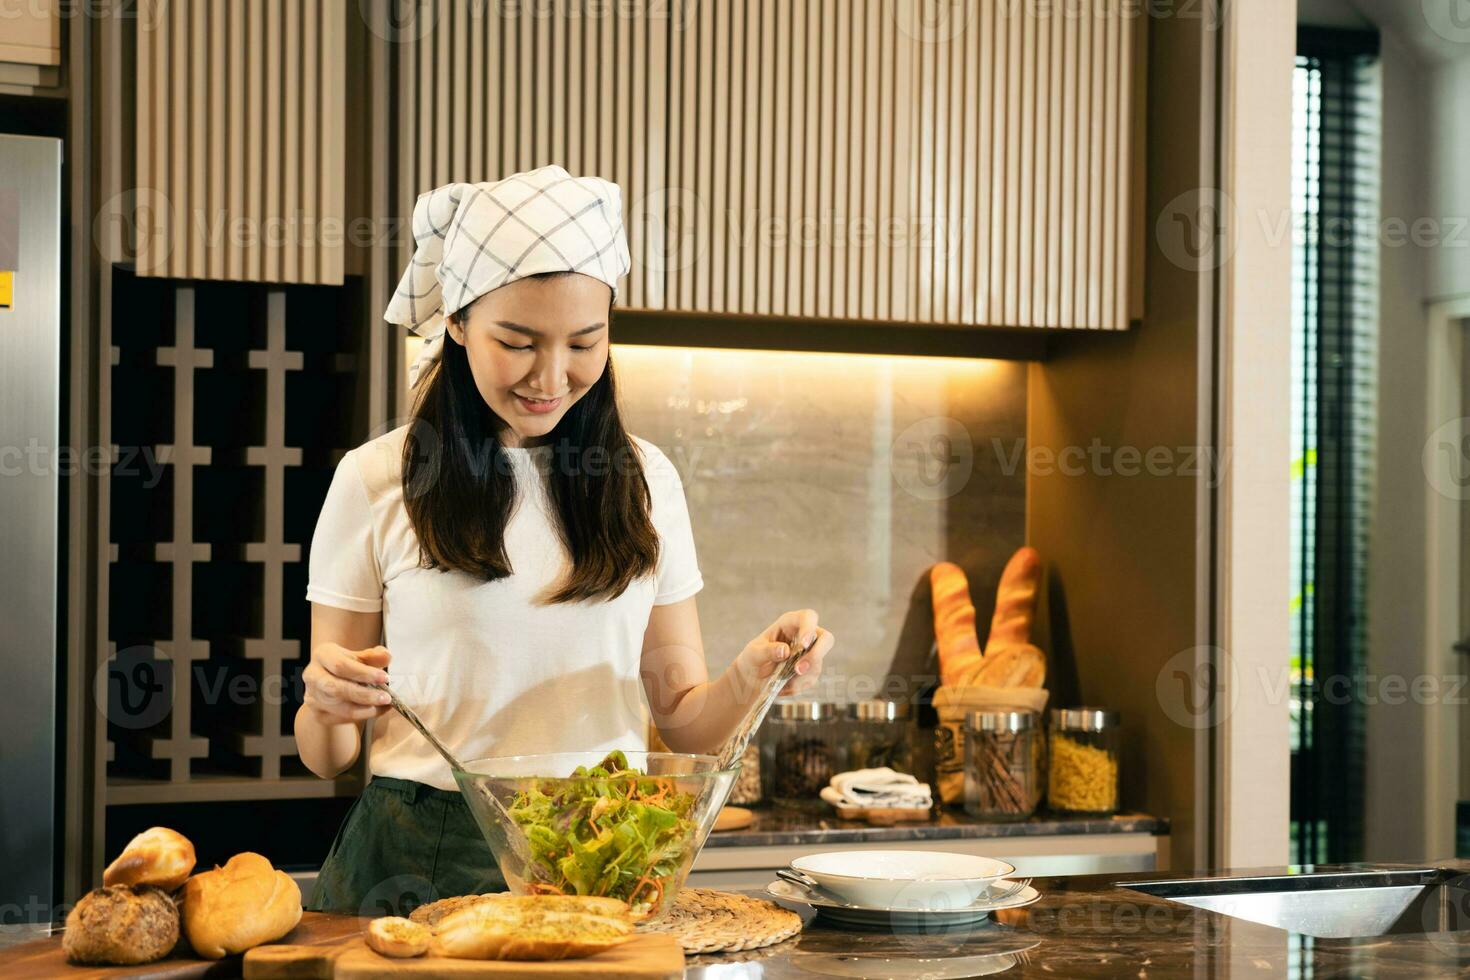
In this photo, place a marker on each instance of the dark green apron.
(403, 844)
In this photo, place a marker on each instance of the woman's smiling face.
(535, 346)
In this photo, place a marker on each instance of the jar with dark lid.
(801, 750)
(880, 733)
(1082, 772)
(1003, 759)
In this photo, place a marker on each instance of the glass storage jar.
(880, 733)
(1003, 760)
(801, 750)
(747, 788)
(1082, 774)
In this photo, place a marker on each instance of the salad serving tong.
(413, 719)
(517, 844)
(735, 745)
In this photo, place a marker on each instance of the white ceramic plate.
(919, 880)
(974, 912)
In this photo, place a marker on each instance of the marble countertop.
(1092, 926)
(1085, 927)
(778, 826)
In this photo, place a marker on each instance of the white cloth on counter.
(881, 787)
(472, 238)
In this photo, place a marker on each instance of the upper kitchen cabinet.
(30, 46)
(967, 162)
(240, 143)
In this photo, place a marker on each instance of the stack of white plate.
(913, 889)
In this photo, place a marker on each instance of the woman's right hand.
(339, 683)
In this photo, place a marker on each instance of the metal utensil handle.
(413, 719)
(1013, 889)
(812, 887)
(735, 746)
(800, 878)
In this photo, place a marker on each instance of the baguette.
(431, 913)
(532, 927)
(954, 623)
(1018, 665)
(1015, 600)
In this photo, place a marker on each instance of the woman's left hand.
(794, 631)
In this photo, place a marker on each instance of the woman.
(520, 565)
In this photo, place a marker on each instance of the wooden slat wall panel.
(240, 116)
(857, 159)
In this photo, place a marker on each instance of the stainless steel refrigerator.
(31, 472)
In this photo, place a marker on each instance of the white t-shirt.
(489, 670)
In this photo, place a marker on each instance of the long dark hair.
(459, 486)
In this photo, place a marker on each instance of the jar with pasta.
(1082, 771)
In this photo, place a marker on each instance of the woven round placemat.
(709, 921)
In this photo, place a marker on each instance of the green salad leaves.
(610, 830)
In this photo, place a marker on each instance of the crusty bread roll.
(158, 856)
(240, 906)
(398, 937)
(122, 925)
(532, 927)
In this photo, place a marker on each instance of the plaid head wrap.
(472, 238)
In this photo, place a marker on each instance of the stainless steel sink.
(1335, 905)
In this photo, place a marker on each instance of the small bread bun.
(240, 906)
(121, 925)
(399, 937)
(158, 856)
(532, 927)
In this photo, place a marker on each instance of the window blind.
(1335, 179)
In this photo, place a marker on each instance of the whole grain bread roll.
(158, 856)
(121, 925)
(240, 906)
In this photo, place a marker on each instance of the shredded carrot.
(658, 889)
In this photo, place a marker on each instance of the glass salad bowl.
(626, 825)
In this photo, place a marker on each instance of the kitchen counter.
(779, 826)
(1085, 926)
(1089, 926)
(1047, 844)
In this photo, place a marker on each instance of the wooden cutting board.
(733, 818)
(648, 956)
(884, 816)
(42, 958)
